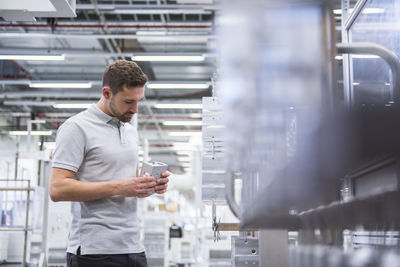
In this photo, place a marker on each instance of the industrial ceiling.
(102, 32)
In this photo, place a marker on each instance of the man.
(95, 165)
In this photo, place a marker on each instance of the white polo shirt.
(98, 148)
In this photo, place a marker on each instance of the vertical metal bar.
(347, 22)
(45, 174)
(16, 162)
(346, 61)
(26, 223)
(196, 155)
(29, 134)
(328, 31)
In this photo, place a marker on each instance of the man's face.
(125, 104)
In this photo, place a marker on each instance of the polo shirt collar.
(94, 109)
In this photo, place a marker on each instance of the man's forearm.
(73, 190)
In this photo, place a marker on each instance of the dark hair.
(123, 73)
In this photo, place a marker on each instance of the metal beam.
(86, 53)
(108, 7)
(51, 103)
(170, 35)
(93, 82)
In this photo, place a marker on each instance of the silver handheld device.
(153, 168)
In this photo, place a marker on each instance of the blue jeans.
(107, 260)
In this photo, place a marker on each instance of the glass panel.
(378, 23)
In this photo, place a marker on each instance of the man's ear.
(107, 92)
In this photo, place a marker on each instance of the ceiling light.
(184, 159)
(365, 11)
(364, 56)
(162, 11)
(168, 58)
(151, 33)
(184, 133)
(73, 105)
(356, 83)
(186, 164)
(372, 10)
(179, 106)
(178, 85)
(60, 85)
(183, 146)
(32, 132)
(182, 152)
(358, 56)
(182, 123)
(32, 57)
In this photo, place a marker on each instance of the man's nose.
(134, 108)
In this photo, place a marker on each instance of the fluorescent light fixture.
(145, 33)
(182, 123)
(186, 164)
(184, 133)
(179, 106)
(356, 83)
(373, 10)
(32, 57)
(73, 105)
(168, 58)
(358, 56)
(364, 56)
(60, 85)
(178, 85)
(183, 146)
(370, 10)
(182, 152)
(184, 159)
(162, 11)
(32, 132)
(337, 11)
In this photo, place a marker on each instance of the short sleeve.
(70, 147)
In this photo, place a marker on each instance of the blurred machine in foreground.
(315, 153)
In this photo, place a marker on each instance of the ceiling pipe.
(51, 103)
(100, 26)
(104, 36)
(83, 53)
(148, 6)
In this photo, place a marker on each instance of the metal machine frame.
(333, 218)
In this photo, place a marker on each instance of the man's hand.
(137, 187)
(162, 183)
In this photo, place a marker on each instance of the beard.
(123, 117)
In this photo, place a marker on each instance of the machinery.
(314, 152)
